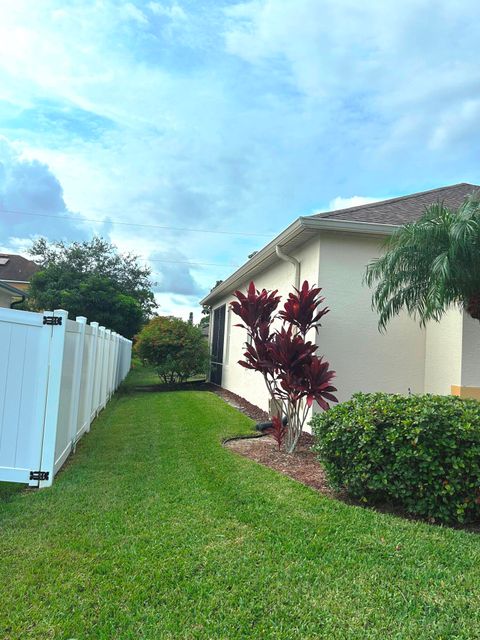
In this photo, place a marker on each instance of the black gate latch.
(39, 475)
(53, 320)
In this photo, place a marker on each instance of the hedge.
(421, 452)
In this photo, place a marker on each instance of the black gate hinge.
(53, 320)
(39, 475)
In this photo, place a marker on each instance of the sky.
(154, 124)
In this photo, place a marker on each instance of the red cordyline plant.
(278, 431)
(294, 375)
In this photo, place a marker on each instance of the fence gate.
(24, 358)
(56, 375)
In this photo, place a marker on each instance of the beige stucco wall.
(470, 352)
(443, 353)
(5, 299)
(249, 384)
(364, 359)
(453, 355)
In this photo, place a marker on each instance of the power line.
(192, 264)
(138, 224)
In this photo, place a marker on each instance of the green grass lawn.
(154, 531)
(147, 376)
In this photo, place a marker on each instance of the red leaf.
(300, 310)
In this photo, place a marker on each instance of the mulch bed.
(302, 465)
(249, 409)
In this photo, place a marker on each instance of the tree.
(204, 322)
(430, 265)
(175, 348)
(205, 308)
(94, 280)
(294, 375)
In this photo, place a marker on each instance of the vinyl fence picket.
(55, 377)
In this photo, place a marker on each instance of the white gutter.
(294, 261)
(371, 228)
(16, 281)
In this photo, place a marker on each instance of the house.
(332, 250)
(15, 274)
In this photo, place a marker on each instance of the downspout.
(21, 301)
(292, 260)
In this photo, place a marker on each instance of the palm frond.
(428, 265)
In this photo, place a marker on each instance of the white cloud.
(173, 11)
(130, 11)
(354, 201)
(387, 61)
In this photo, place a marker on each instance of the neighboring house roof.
(14, 268)
(379, 218)
(405, 209)
(13, 290)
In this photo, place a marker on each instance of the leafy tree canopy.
(204, 322)
(430, 265)
(206, 309)
(176, 349)
(92, 279)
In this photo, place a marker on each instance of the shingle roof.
(16, 268)
(398, 211)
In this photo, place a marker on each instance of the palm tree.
(430, 265)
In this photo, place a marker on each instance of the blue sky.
(233, 116)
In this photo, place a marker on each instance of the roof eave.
(298, 226)
(254, 264)
(13, 290)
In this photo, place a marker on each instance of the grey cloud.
(173, 277)
(29, 187)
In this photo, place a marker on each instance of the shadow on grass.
(8, 490)
(191, 385)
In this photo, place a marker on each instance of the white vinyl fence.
(56, 375)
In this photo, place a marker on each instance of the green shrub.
(420, 452)
(176, 349)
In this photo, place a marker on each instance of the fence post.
(76, 379)
(106, 361)
(112, 361)
(115, 364)
(92, 374)
(101, 369)
(55, 365)
(119, 361)
(110, 358)
(128, 361)
(109, 363)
